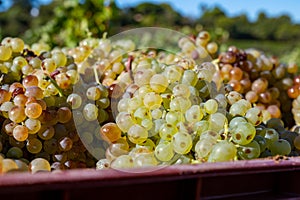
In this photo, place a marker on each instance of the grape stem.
(60, 92)
(129, 66)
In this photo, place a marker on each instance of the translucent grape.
(182, 143)
(166, 131)
(17, 114)
(145, 160)
(20, 133)
(33, 125)
(243, 133)
(90, 112)
(249, 151)
(211, 106)
(152, 100)
(180, 104)
(217, 121)
(164, 151)
(181, 90)
(123, 161)
(75, 100)
(33, 110)
(194, 114)
(93, 93)
(222, 151)
(38, 165)
(254, 116)
(124, 121)
(137, 134)
(158, 83)
(5, 53)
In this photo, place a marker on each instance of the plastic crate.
(253, 179)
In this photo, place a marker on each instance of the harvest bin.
(253, 179)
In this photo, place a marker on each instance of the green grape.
(124, 121)
(59, 58)
(14, 152)
(182, 142)
(75, 100)
(238, 109)
(142, 113)
(180, 104)
(158, 83)
(249, 151)
(222, 151)
(210, 106)
(17, 44)
(134, 103)
(243, 133)
(164, 151)
(233, 97)
(142, 77)
(48, 65)
(203, 147)
(166, 131)
(145, 160)
(93, 93)
(271, 135)
(174, 117)
(234, 122)
(5, 53)
(261, 141)
(254, 116)
(50, 146)
(181, 90)
(189, 77)
(217, 121)
(194, 114)
(173, 73)
(280, 147)
(34, 145)
(137, 134)
(90, 112)
(123, 161)
(156, 113)
(152, 100)
(201, 126)
(102, 164)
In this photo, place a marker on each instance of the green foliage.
(71, 22)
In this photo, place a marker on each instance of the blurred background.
(272, 26)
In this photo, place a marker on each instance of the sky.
(251, 8)
(191, 8)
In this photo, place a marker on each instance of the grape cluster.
(37, 128)
(294, 93)
(131, 107)
(262, 80)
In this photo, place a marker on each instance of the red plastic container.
(253, 179)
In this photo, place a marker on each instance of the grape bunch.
(262, 80)
(37, 128)
(294, 93)
(108, 103)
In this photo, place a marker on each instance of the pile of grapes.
(107, 104)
